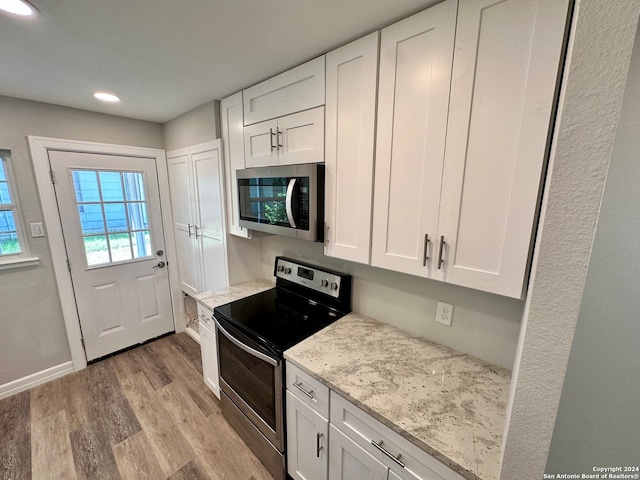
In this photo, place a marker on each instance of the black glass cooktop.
(277, 318)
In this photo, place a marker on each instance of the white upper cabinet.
(351, 82)
(505, 71)
(233, 143)
(465, 213)
(300, 88)
(289, 140)
(301, 137)
(416, 57)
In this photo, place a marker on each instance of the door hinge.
(69, 265)
(53, 177)
(82, 341)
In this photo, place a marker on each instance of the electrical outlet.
(444, 312)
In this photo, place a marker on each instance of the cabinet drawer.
(364, 430)
(295, 90)
(309, 390)
(204, 316)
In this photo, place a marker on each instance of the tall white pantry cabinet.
(196, 186)
(465, 98)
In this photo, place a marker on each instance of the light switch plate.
(37, 230)
(444, 312)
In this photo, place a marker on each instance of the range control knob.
(324, 282)
(287, 270)
(334, 286)
(280, 268)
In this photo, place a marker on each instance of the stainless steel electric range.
(253, 334)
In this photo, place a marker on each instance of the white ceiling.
(165, 57)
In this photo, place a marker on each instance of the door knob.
(160, 265)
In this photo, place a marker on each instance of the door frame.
(40, 146)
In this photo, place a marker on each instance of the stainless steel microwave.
(284, 200)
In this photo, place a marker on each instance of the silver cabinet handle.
(308, 394)
(290, 187)
(387, 453)
(426, 246)
(279, 133)
(318, 447)
(440, 260)
(196, 230)
(273, 147)
(189, 228)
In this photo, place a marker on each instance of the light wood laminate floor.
(142, 414)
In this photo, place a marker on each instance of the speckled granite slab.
(236, 292)
(449, 404)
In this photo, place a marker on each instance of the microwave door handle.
(292, 184)
(244, 347)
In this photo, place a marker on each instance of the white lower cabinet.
(209, 350)
(329, 438)
(348, 461)
(401, 457)
(307, 435)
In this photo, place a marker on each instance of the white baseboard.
(38, 378)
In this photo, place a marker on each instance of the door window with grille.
(112, 210)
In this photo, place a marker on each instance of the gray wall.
(33, 337)
(484, 325)
(195, 126)
(598, 422)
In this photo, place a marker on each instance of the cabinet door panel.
(209, 351)
(233, 145)
(261, 144)
(183, 211)
(301, 137)
(347, 461)
(207, 169)
(297, 89)
(303, 428)
(407, 475)
(352, 79)
(505, 68)
(208, 178)
(415, 68)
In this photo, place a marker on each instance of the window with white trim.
(13, 246)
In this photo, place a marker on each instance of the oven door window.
(251, 378)
(264, 200)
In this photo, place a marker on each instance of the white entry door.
(111, 220)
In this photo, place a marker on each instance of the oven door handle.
(244, 347)
(289, 204)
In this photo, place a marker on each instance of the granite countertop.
(449, 404)
(216, 298)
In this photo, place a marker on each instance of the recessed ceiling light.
(106, 97)
(17, 7)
